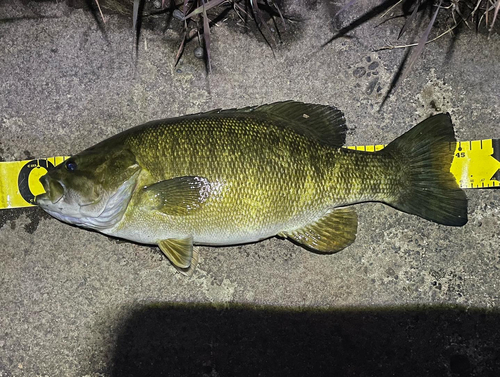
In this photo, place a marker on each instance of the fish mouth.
(54, 191)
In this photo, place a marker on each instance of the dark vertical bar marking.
(496, 149)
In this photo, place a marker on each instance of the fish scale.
(236, 176)
(270, 187)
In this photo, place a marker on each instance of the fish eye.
(70, 165)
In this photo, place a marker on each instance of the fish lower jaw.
(41, 199)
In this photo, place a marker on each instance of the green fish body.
(236, 176)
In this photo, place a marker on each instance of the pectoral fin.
(176, 196)
(179, 251)
(330, 234)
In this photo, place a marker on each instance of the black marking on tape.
(496, 149)
(496, 155)
(496, 176)
(24, 174)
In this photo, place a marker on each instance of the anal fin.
(329, 234)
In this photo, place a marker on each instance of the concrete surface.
(409, 297)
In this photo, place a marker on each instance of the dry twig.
(100, 11)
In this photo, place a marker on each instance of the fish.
(237, 176)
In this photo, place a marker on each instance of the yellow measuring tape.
(476, 165)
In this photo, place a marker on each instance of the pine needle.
(271, 2)
(259, 21)
(206, 36)
(181, 47)
(392, 47)
(204, 7)
(410, 19)
(100, 11)
(495, 15)
(420, 47)
(391, 8)
(135, 14)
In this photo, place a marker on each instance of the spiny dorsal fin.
(330, 234)
(325, 124)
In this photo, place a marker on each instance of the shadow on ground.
(186, 340)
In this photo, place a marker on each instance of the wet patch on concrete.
(34, 215)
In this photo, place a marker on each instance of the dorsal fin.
(322, 123)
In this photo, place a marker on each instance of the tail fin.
(431, 191)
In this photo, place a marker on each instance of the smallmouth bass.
(236, 176)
